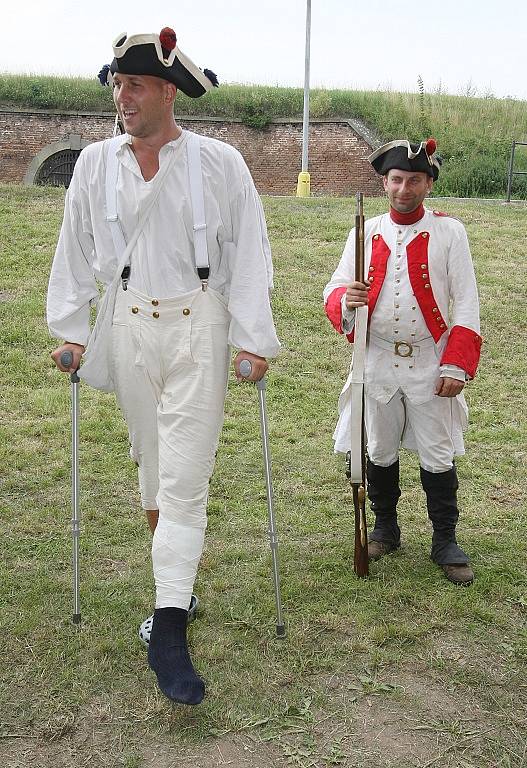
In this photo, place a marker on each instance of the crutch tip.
(280, 630)
(76, 618)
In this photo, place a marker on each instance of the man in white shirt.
(173, 324)
(423, 345)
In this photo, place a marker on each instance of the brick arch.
(74, 142)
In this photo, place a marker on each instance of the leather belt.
(402, 348)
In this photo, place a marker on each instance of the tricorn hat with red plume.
(158, 55)
(404, 156)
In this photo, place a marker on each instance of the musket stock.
(358, 479)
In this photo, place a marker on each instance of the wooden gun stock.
(360, 561)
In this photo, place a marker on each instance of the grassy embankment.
(474, 134)
(402, 670)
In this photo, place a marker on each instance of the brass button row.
(155, 302)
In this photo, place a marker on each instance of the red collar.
(407, 218)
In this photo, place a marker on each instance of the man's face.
(406, 190)
(142, 102)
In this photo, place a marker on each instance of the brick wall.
(337, 151)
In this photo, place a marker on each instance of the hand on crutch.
(246, 369)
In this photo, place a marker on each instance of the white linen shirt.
(162, 262)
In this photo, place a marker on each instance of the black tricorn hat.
(404, 156)
(158, 55)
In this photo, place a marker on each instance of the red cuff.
(333, 308)
(463, 349)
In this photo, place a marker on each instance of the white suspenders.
(201, 253)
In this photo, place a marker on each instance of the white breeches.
(432, 424)
(171, 365)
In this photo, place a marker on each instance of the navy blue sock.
(168, 656)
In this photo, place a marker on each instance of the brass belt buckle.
(406, 348)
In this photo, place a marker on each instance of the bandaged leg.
(176, 552)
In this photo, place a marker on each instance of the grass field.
(402, 670)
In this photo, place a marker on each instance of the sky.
(456, 46)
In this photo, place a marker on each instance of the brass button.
(442, 325)
(396, 306)
(155, 302)
(396, 365)
(423, 266)
(396, 319)
(434, 309)
(371, 279)
(410, 366)
(427, 285)
(135, 310)
(425, 276)
(413, 307)
(396, 331)
(371, 269)
(155, 314)
(186, 311)
(376, 237)
(424, 234)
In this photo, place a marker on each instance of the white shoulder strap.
(112, 173)
(198, 204)
(196, 198)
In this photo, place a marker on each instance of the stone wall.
(337, 148)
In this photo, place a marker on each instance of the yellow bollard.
(303, 188)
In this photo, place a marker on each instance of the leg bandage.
(176, 552)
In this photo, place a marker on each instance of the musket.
(358, 433)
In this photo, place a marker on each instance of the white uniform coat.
(163, 259)
(422, 286)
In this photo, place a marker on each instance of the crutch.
(245, 370)
(66, 360)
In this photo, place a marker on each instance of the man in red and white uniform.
(423, 345)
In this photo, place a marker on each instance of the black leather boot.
(383, 493)
(441, 501)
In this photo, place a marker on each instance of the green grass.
(474, 134)
(396, 671)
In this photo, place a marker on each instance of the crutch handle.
(245, 368)
(66, 359)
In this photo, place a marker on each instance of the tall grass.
(474, 135)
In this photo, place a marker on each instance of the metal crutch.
(245, 370)
(66, 360)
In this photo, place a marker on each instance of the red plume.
(168, 39)
(430, 146)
